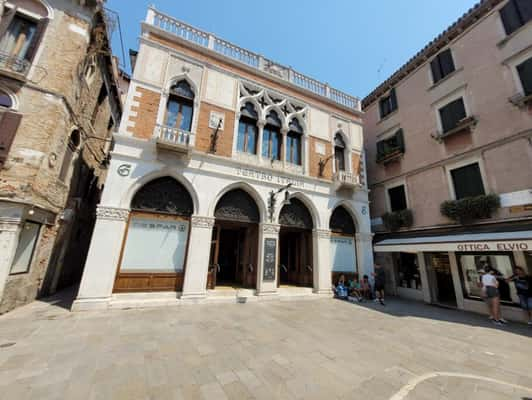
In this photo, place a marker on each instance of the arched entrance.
(234, 247)
(343, 245)
(155, 247)
(295, 245)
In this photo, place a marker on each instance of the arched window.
(339, 152)
(180, 106)
(271, 137)
(341, 222)
(247, 129)
(293, 142)
(5, 100)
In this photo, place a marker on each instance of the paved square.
(321, 349)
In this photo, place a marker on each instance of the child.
(355, 288)
(341, 289)
(365, 288)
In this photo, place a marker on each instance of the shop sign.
(269, 177)
(493, 246)
(270, 250)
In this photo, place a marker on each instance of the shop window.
(397, 197)
(515, 14)
(73, 143)
(473, 266)
(452, 114)
(180, 106)
(293, 142)
(27, 242)
(467, 181)
(247, 129)
(408, 271)
(271, 137)
(391, 147)
(388, 104)
(525, 75)
(20, 35)
(339, 152)
(442, 65)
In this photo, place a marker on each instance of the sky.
(352, 45)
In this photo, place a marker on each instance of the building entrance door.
(440, 279)
(295, 257)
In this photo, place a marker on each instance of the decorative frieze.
(112, 213)
(271, 229)
(202, 222)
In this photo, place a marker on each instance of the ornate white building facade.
(231, 176)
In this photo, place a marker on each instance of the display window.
(408, 271)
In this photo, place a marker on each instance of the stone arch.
(39, 8)
(11, 98)
(138, 184)
(253, 100)
(279, 112)
(350, 209)
(308, 204)
(163, 195)
(182, 77)
(237, 205)
(249, 191)
(341, 221)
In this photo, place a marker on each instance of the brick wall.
(314, 158)
(224, 145)
(143, 123)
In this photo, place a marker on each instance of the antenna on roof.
(380, 68)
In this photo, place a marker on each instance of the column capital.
(112, 213)
(271, 228)
(322, 233)
(202, 222)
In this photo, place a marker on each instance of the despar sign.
(493, 246)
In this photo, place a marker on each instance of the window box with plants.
(467, 210)
(395, 220)
(391, 148)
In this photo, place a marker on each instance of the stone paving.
(322, 349)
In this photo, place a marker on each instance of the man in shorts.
(380, 279)
(523, 286)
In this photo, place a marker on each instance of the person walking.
(523, 286)
(490, 289)
(380, 279)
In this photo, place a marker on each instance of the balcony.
(14, 67)
(521, 100)
(173, 139)
(346, 180)
(205, 40)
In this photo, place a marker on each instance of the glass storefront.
(472, 267)
(408, 271)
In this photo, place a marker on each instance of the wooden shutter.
(397, 198)
(436, 70)
(393, 100)
(510, 17)
(400, 140)
(451, 114)
(6, 20)
(9, 122)
(525, 74)
(39, 33)
(525, 10)
(380, 149)
(446, 62)
(467, 181)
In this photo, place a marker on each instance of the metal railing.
(254, 60)
(14, 64)
(174, 136)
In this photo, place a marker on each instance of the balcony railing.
(174, 139)
(347, 180)
(14, 65)
(254, 60)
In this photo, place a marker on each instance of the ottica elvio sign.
(493, 246)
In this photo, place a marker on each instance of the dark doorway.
(228, 257)
(441, 279)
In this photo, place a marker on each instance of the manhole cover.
(8, 344)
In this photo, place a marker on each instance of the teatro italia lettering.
(493, 246)
(268, 177)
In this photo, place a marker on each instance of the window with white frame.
(247, 129)
(27, 242)
(180, 106)
(294, 142)
(397, 198)
(452, 114)
(442, 65)
(524, 70)
(271, 137)
(339, 153)
(515, 14)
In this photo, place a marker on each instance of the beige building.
(233, 178)
(449, 150)
(58, 105)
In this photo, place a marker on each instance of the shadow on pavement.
(63, 298)
(409, 308)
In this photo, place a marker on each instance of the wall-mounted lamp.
(272, 200)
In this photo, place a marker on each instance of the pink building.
(449, 155)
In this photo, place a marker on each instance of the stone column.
(321, 244)
(456, 280)
(364, 243)
(9, 232)
(102, 261)
(260, 132)
(268, 287)
(425, 286)
(197, 267)
(284, 131)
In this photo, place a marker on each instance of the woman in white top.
(490, 287)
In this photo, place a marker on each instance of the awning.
(473, 242)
